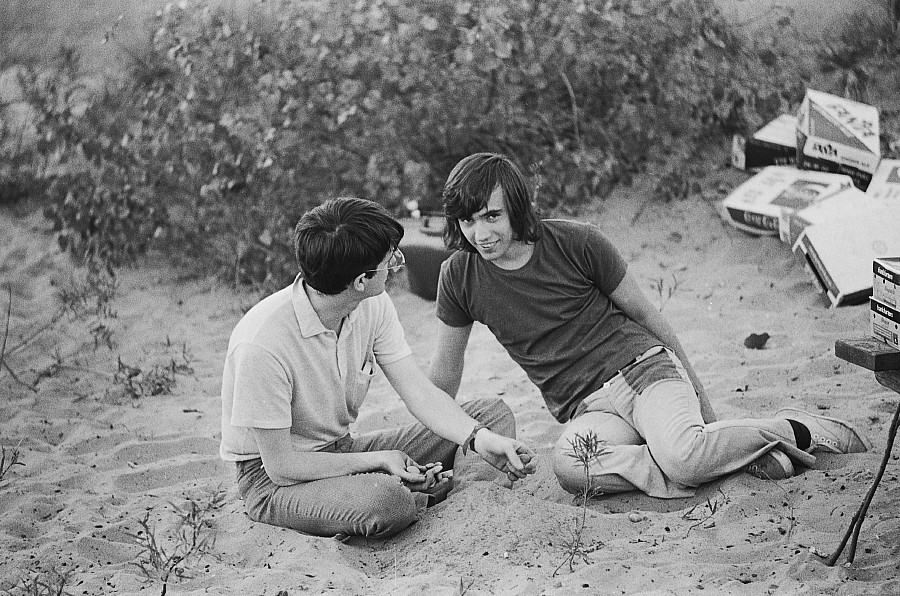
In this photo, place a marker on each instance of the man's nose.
(482, 230)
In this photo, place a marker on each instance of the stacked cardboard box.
(886, 282)
(884, 315)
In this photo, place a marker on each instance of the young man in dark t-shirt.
(559, 297)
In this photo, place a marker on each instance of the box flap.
(885, 182)
(853, 119)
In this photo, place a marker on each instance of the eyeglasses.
(394, 264)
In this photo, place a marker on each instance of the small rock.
(756, 341)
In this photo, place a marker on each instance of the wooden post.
(885, 361)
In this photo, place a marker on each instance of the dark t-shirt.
(553, 315)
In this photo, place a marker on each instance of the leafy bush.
(230, 126)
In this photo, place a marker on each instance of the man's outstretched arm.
(449, 359)
(438, 411)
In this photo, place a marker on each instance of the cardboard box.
(838, 135)
(839, 252)
(885, 182)
(760, 204)
(886, 281)
(775, 144)
(884, 323)
(846, 201)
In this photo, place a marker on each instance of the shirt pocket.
(359, 385)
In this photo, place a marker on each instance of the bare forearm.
(299, 466)
(442, 415)
(445, 377)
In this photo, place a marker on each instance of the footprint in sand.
(160, 476)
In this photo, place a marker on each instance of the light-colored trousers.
(656, 440)
(374, 504)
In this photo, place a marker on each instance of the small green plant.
(585, 449)
(10, 459)
(169, 555)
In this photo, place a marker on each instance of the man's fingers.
(515, 462)
(527, 456)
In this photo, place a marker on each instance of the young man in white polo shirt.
(297, 369)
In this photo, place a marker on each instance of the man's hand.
(397, 463)
(510, 456)
(432, 475)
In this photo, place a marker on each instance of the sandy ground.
(96, 460)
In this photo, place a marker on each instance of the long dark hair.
(469, 187)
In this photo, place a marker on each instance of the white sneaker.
(828, 434)
(771, 465)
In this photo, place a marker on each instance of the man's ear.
(360, 281)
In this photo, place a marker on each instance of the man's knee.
(392, 508)
(494, 413)
(569, 472)
(573, 478)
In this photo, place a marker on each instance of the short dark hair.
(342, 238)
(469, 187)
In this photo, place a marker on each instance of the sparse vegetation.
(8, 459)
(78, 301)
(585, 449)
(706, 512)
(38, 583)
(665, 290)
(169, 555)
(134, 382)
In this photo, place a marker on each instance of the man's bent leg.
(691, 453)
(375, 505)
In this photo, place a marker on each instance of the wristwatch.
(469, 443)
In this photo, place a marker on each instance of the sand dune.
(96, 459)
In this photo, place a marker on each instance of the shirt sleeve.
(606, 265)
(450, 308)
(390, 342)
(262, 390)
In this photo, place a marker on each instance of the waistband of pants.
(582, 405)
(651, 352)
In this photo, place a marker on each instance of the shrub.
(230, 126)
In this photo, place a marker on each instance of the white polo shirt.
(284, 369)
